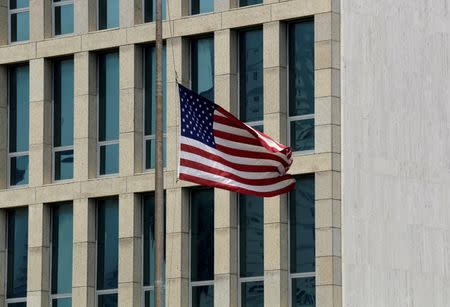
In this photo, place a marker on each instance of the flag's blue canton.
(197, 116)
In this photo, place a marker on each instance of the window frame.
(200, 14)
(191, 70)
(292, 276)
(15, 12)
(59, 4)
(297, 118)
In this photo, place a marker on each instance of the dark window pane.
(107, 300)
(150, 10)
(62, 234)
(19, 106)
(107, 244)
(62, 302)
(64, 165)
(251, 235)
(109, 159)
(304, 292)
(252, 294)
(64, 19)
(302, 135)
(20, 26)
(150, 152)
(203, 296)
(260, 128)
(19, 170)
(202, 61)
(301, 68)
(108, 14)
(150, 90)
(302, 225)
(109, 96)
(249, 2)
(17, 253)
(17, 305)
(251, 75)
(149, 298)
(18, 4)
(201, 6)
(202, 234)
(63, 97)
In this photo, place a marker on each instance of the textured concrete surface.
(396, 144)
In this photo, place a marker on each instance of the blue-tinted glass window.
(63, 104)
(202, 234)
(16, 285)
(252, 294)
(107, 244)
(19, 109)
(150, 10)
(19, 20)
(107, 300)
(62, 302)
(108, 92)
(249, 2)
(304, 292)
(63, 15)
(301, 85)
(150, 106)
(302, 225)
(203, 296)
(201, 6)
(62, 234)
(18, 4)
(108, 14)
(251, 75)
(202, 61)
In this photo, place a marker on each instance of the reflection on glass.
(64, 19)
(202, 61)
(64, 165)
(150, 150)
(62, 302)
(251, 75)
(302, 225)
(249, 2)
(108, 14)
(150, 10)
(107, 246)
(63, 96)
(16, 285)
(109, 96)
(109, 159)
(203, 296)
(19, 107)
(18, 4)
(252, 294)
(202, 234)
(107, 300)
(201, 6)
(20, 26)
(251, 235)
(302, 135)
(304, 292)
(19, 170)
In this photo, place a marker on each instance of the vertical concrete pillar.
(177, 247)
(38, 283)
(84, 261)
(40, 122)
(131, 110)
(131, 13)
(179, 61)
(225, 249)
(130, 250)
(85, 16)
(85, 116)
(3, 125)
(3, 22)
(3, 242)
(276, 275)
(40, 20)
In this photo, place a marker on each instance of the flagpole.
(159, 175)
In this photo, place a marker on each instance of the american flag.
(218, 150)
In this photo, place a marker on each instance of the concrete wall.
(396, 153)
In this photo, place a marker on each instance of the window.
(249, 2)
(17, 257)
(251, 251)
(108, 112)
(61, 249)
(302, 242)
(108, 14)
(63, 97)
(202, 70)
(149, 247)
(19, 108)
(201, 6)
(19, 20)
(62, 17)
(107, 251)
(150, 10)
(202, 247)
(251, 103)
(150, 107)
(301, 85)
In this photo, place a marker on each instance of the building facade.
(77, 138)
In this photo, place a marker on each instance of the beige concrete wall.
(132, 180)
